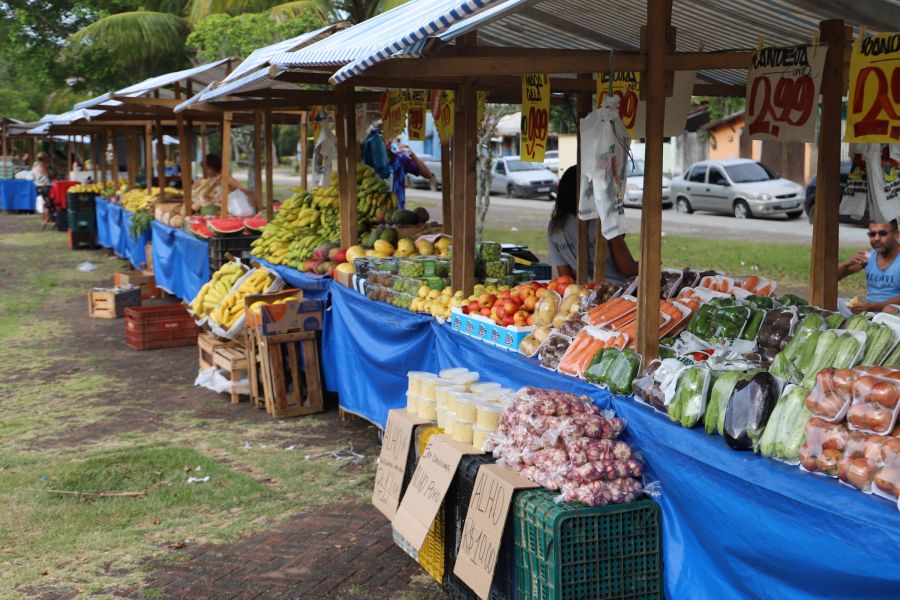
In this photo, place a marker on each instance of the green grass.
(788, 264)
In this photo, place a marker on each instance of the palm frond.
(134, 37)
(285, 11)
(200, 9)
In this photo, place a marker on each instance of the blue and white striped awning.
(261, 57)
(382, 36)
(588, 24)
(199, 76)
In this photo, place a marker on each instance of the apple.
(530, 320)
(487, 300)
(505, 294)
(485, 311)
(507, 321)
(510, 306)
(465, 309)
(474, 307)
(521, 318)
(530, 303)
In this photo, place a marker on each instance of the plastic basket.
(431, 554)
(163, 326)
(570, 551)
(457, 507)
(237, 246)
(80, 201)
(82, 220)
(82, 240)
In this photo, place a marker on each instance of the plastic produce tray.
(80, 201)
(570, 551)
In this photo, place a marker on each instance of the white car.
(740, 187)
(551, 160)
(634, 189)
(517, 178)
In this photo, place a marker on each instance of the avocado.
(421, 214)
(389, 235)
(404, 217)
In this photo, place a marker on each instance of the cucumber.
(879, 340)
(718, 397)
(847, 351)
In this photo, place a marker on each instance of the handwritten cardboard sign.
(627, 86)
(427, 488)
(535, 116)
(415, 115)
(392, 461)
(482, 534)
(873, 101)
(783, 93)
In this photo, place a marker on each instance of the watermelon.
(255, 223)
(229, 226)
(201, 230)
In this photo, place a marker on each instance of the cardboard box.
(344, 278)
(138, 279)
(294, 315)
(148, 257)
(111, 304)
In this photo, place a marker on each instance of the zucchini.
(893, 359)
(879, 340)
(721, 390)
(847, 351)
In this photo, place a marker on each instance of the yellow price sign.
(442, 109)
(873, 102)
(535, 116)
(415, 115)
(393, 113)
(627, 86)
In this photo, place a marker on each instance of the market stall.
(180, 261)
(17, 194)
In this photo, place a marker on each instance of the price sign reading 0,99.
(535, 116)
(783, 93)
(627, 86)
(873, 102)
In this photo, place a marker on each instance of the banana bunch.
(216, 288)
(229, 310)
(92, 188)
(301, 249)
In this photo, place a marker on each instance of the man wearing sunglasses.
(881, 266)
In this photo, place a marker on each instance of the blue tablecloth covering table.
(180, 261)
(734, 525)
(17, 194)
(113, 232)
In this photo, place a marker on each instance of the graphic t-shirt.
(561, 246)
(882, 284)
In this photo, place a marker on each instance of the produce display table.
(113, 225)
(735, 524)
(180, 261)
(58, 191)
(17, 194)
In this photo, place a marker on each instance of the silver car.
(417, 181)
(634, 188)
(741, 187)
(515, 177)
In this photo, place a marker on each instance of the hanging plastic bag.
(239, 204)
(324, 153)
(604, 152)
(856, 190)
(884, 184)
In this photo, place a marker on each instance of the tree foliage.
(221, 35)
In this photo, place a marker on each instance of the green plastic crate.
(570, 551)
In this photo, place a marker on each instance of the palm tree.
(143, 39)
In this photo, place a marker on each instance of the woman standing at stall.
(206, 191)
(40, 174)
(562, 234)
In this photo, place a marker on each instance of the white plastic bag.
(239, 204)
(324, 153)
(856, 190)
(884, 184)
(39, 204)
(604, 152)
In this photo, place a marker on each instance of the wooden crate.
(111, 304)
(207, 344)
(290, 389)
(141, 279)
(234, 362)
(254, 364)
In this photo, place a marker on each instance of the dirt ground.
(77, 391)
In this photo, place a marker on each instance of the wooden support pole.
(160, 160)
(131, 154)
(202, 143)
(446, 187)
(148, 155)
(34, 150)
(104, 141)
(226, 164)
(114, 167)
(3, 135)
(350, 214)
(584, 104)
(71, 157)
(823, 280)
(345, 126)
(465, 162)
(270, 190)
(95, 139)
(257, 161)
(184, 158)
(655, 44)
(304, 144)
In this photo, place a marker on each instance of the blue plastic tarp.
(102, 208)
(113, 232)
(135, 250)
(734, 525)
(17, 194)
(180, 261)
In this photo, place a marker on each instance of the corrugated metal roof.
(608, 24)
(202, 75)
(383, 35)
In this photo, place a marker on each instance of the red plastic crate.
(164, 326)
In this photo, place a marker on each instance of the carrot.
(622, 320)
(752, 283)
(610, 311)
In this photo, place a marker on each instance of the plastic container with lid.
(464, 406)
(462, 431)
(451, 373)
(427, 409)
(415, 379)
(449, 422)
(412, 403)
(466, 379)
(426, 388)
(442, 391)
(441, 418)
(483, 387)
(479, 437)
(496, 395)
(488, 415)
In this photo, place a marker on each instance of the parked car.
(634, 189)
(551, 161)
(810, 203)
(742, 187)
(417, 181)
(517, 178)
